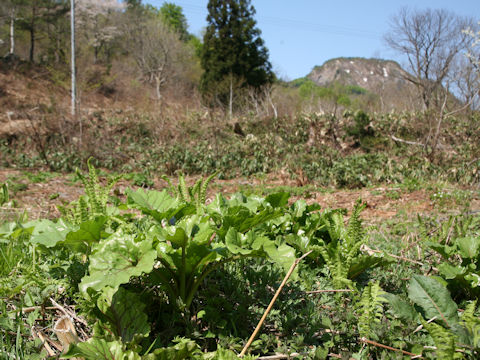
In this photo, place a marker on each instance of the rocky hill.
(384, 78)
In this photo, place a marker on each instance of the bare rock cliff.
(384, 78)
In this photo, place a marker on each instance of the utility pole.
(74, 81)
(12, 31)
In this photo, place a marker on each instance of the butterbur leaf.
(445, 250)
(48, 233)
(159, 205)
(90, 232)
(283, 255)
(450, 271)
(243, 220)
(468, 247)
(100, 349)
(118, 259)
(278, 199)
(299, 208)
(196, 228)
(434, 299)
(179, 238)
(238, 243)
(123, 313)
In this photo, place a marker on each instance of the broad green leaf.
(401, 308)
(49, 233)
(199, 255)
(152, 200)
(123, 313)
(433, 298)
(300, 242)
(116, 260)
(179, 238)
(7, 228)
(468, 247)
(159, 205)
(278, 199)
(445, 250)
(450, 271)
(283, 255)
(299, 208)
(238, 243)
(99, 349)
(90, 232)
(242, 219)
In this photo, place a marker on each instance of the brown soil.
(41, 199)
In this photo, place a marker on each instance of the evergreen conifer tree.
(233, 56)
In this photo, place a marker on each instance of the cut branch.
(260, 323)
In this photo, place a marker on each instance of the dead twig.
(69, 313)
(374, 343)
(394, 138)
(328, 291)
(370, 251)
(278, 356)
(33, 308)
(260, 323)
(43, 338)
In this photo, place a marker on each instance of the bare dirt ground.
(41, 199)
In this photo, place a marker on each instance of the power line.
(299, 25)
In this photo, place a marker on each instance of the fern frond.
(171, 187)
(182, 189)
(94, 202)
(355, 231)
(195, 192)
(345, 243)
(370, 308)
(444, 341)
(82, 213)
(472, 323)
(203, 188)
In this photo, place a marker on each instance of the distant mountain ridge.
(384, 78)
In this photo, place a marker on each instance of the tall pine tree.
(233, 56)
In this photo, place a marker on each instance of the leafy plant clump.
(171, 274)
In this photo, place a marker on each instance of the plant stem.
(183, 276)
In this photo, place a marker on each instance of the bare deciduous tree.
(94, 20)
(473, 53)
(431, 40)
(159, 53)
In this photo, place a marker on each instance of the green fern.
(94, 202)
(472, 324)
(197, 194)
(4, 194)
(344, 246)
(444, 341)
(370, 309)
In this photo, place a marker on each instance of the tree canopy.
(233, 51)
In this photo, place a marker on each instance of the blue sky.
(300, 34)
